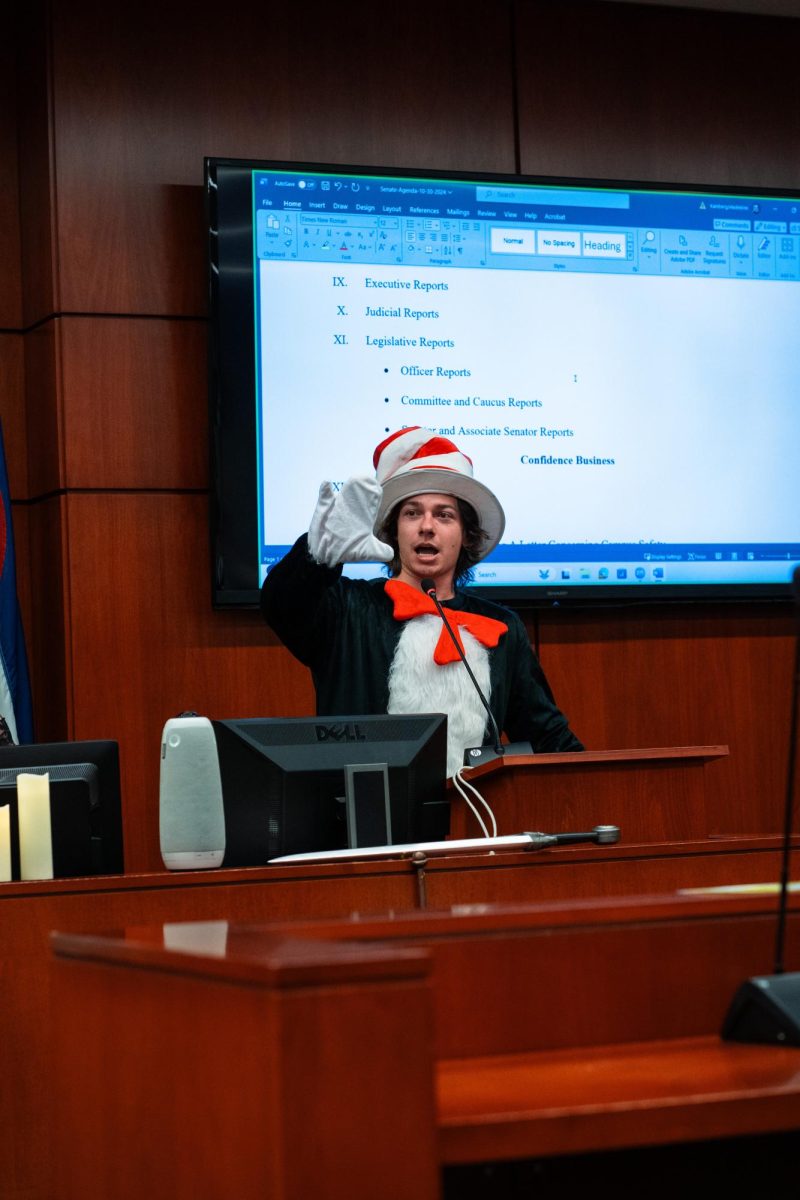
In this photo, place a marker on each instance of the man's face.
(429, 537)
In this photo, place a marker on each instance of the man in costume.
(377, 646)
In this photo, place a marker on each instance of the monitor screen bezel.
(105, 801)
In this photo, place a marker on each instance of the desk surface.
(556, 1028)
(580, 972)
(633, 1094)
(691, 862)
(29, 911)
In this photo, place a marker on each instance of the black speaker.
(765, 1009)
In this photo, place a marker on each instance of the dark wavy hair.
(473, 539)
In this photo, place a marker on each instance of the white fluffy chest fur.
(418, 684)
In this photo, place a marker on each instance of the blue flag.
(15, 690)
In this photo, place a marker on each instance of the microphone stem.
(431, 591)
(780, 937)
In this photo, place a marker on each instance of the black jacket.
(344, 630)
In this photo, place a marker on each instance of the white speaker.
(191, 816)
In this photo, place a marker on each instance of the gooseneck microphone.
(429, 588)
(780, 937)
(601, 835)
(766, 1008)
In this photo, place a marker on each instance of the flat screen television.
(283, 780)
(619, 359)
(85, 803)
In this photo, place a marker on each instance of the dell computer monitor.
(285, 789)
(85, 803)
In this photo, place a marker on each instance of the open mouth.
(426, 550)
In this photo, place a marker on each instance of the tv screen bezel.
(232, 390)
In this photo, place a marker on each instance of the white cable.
(481, 798)
(460, 783)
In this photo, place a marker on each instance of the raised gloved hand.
(341, 528)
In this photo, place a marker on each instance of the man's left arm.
(532, 714)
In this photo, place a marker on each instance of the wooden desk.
(28, 911)
(544, 1029)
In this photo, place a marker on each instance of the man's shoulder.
(365, 591)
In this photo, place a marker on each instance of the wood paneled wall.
(103, 325)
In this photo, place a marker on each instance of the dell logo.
(340, 732)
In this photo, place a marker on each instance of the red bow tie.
(411, 602)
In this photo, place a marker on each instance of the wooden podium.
(654, 795)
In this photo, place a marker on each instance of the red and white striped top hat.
(416, 460)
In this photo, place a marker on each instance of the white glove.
(341, 528)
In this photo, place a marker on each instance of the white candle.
(35, 835)
(5, 844)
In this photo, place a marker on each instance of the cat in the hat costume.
(377, 646)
